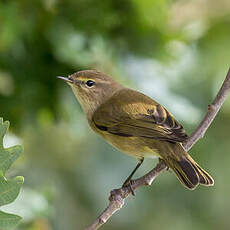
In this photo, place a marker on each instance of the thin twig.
(117, 196)
(210, 115)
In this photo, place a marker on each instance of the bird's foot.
(128, 184)
(161, 160)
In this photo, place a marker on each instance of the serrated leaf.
(8, 221)
(3, 129)
(8, 156)
(9, 189)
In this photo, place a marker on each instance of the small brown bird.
(135, 124)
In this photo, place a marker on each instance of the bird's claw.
(128, 184)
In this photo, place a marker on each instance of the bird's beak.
(67, 79)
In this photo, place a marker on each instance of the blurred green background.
(177, 52)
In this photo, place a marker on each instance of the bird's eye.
(90, 83)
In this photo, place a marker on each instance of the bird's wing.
(130, 113)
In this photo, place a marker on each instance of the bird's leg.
(167, 167)
(128, 181)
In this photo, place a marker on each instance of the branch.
(210, 115)
(117, 196)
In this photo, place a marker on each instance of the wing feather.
(137, 115)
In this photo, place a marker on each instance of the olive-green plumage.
(135, 124)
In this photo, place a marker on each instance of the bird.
(135, 124)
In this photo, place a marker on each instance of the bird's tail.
(188, 171)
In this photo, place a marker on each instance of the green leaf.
(9, 155)
(9, 189)
(8, 221)
(3, 129)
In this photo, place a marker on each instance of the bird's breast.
(135, 146)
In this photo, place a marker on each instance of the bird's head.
(92, 88)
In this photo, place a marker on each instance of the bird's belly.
(134, 146)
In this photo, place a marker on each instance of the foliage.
(9, 188)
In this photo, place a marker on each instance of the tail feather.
(185, 172)
(188, 171)
(204, 177)
(184, 180)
